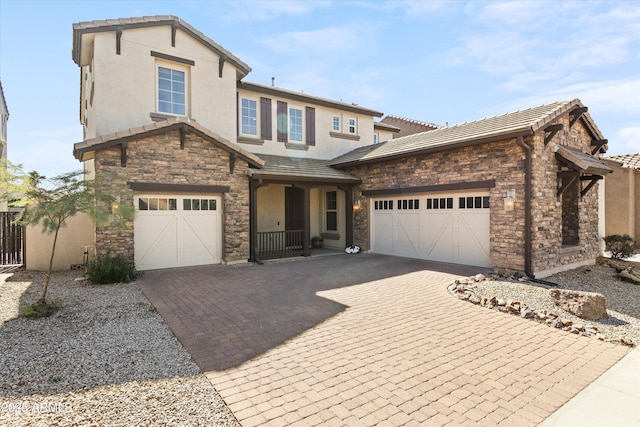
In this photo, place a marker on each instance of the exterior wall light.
(510, 200)
(357, 203)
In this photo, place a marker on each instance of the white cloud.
(262, 11)
(627, 140)
(328, 42)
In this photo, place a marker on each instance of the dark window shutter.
(283, 122)
(265, 118)
(311, 125)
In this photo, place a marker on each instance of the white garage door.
(449, 228)
(177, 231)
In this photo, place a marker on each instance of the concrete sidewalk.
(611, 400)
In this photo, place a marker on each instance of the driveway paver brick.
(368, 340)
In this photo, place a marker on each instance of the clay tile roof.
(631, 160)
(80, 149)
(282, 168)
(506, 126)
(88, 27)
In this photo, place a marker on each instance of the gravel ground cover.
(623, 299)
(105, 358)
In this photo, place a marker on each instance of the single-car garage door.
(177, 231)
(449, 228)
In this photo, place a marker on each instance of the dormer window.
(172, 91)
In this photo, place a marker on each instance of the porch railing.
(279, 244)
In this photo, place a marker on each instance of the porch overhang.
(579, 165)
(300, 170)
(581, 162)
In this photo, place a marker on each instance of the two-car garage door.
(177, 231)
(440, 227)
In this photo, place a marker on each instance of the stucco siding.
(125, 91)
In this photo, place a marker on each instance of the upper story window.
(295, 124)
(249, 117)
(352, 126)
(171, 91)
(375, 138)
(336, 123)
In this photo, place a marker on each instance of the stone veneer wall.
(159, 159)
(547, 250)
(502, 161)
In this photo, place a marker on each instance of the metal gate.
(11, 240)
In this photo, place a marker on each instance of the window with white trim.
(249, 117)
(375, 138)
(331, 210)
(352, 126)
(336, 123)
(295, 124)
(172, 91)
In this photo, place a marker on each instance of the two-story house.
(224, 170)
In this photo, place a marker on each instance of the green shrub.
(105, 269)
(38, 309)
(620, 246)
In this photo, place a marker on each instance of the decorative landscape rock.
(585, 305)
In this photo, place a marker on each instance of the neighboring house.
(226, 171)
(513, 191)
(4, 117)
(622, 197)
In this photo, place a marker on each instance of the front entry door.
(294, 216)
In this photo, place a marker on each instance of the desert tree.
(50, 202)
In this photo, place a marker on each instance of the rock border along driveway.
(382, 342)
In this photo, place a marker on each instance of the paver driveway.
(368, 340)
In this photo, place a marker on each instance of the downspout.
(527, 207)
(527, 215)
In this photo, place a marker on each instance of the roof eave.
(79, 31)
(267, 90)
(429, 150)
(256, 174)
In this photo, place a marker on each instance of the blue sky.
(436, 61)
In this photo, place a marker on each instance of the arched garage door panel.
(177, 231)
(449, 228)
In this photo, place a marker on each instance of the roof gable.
(506, 126)
(81, 28)
(82, 149)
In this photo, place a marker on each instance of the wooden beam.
(174, 29)
(183, 133)
(123, 154)
(598, 144)
(565, 185)
(551, 131)
(576, 114)
(593, 178)
(221, 62)
(232, 161)
(118, 37)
